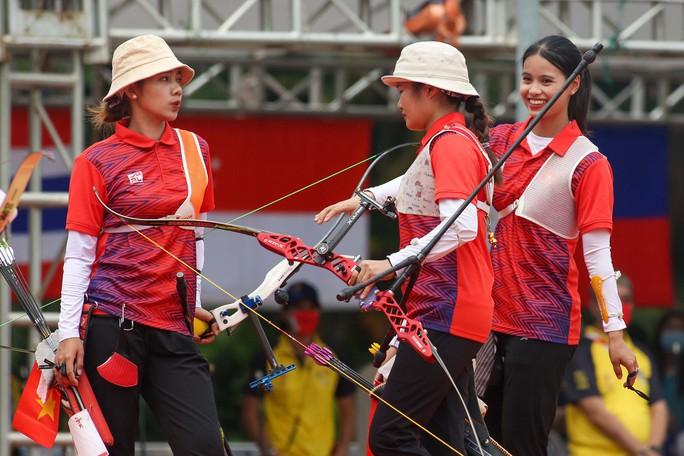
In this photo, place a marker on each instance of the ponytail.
(479, 125)
(108, 112)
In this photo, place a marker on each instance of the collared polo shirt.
(453, 293)
(299, 413)
(137, 176)
(590, 374)
(535, 276)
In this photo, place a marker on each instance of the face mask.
(306, 321)
(672, 341)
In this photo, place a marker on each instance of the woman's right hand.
(345, 206)
(70, 353)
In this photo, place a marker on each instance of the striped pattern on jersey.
(535, 276)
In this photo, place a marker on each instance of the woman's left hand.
(368, 269)
(621, 355)
(210, 334)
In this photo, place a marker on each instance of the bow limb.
(17, 187)
(173, 220)
(296, 252)
(285, 245)
(74, 398)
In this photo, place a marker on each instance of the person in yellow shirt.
(603, 417)
(299, 413)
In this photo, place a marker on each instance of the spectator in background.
(442, 18)
(670, 356)
(602, 416)
(299, 413)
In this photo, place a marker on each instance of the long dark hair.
(565, 56)
(478, 121)
(479, 124)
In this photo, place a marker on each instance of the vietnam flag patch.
(34, 418)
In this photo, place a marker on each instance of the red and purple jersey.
(535, 276)
(453, 293)
(144, 178)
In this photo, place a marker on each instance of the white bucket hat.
(433, 63)
(142, 57)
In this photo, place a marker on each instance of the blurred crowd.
(597, 415)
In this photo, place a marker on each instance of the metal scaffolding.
(305, 57)
(324, 56)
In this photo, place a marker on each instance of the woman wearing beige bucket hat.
(452, 295)
(138, 338)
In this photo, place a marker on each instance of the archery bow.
(281, 272)
(75, 399)
(17, 187)
(297, 253)
(294, 250)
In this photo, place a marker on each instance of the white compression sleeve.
(78, 263)
(596, 246)
(463, 230)
(383, 191)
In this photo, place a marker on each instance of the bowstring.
(298, 342)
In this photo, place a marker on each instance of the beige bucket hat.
(433, 63)
(142, 57)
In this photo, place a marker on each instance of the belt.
(102, 313)
(97, 312)
(126, 324)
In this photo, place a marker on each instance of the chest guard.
(548, 200)
(416, 194)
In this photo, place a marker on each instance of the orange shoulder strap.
(195, 173)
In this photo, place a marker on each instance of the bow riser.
(275, 278)
(294, 249)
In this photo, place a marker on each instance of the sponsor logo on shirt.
(135, 178)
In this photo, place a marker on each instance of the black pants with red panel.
(173, 379)
(423, 392)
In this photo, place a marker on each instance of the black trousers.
(523, 392)
(174, 380)
(423, 391)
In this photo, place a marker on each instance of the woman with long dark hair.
(452, 294)
(557, 188)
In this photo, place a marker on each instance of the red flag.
(34, 418)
